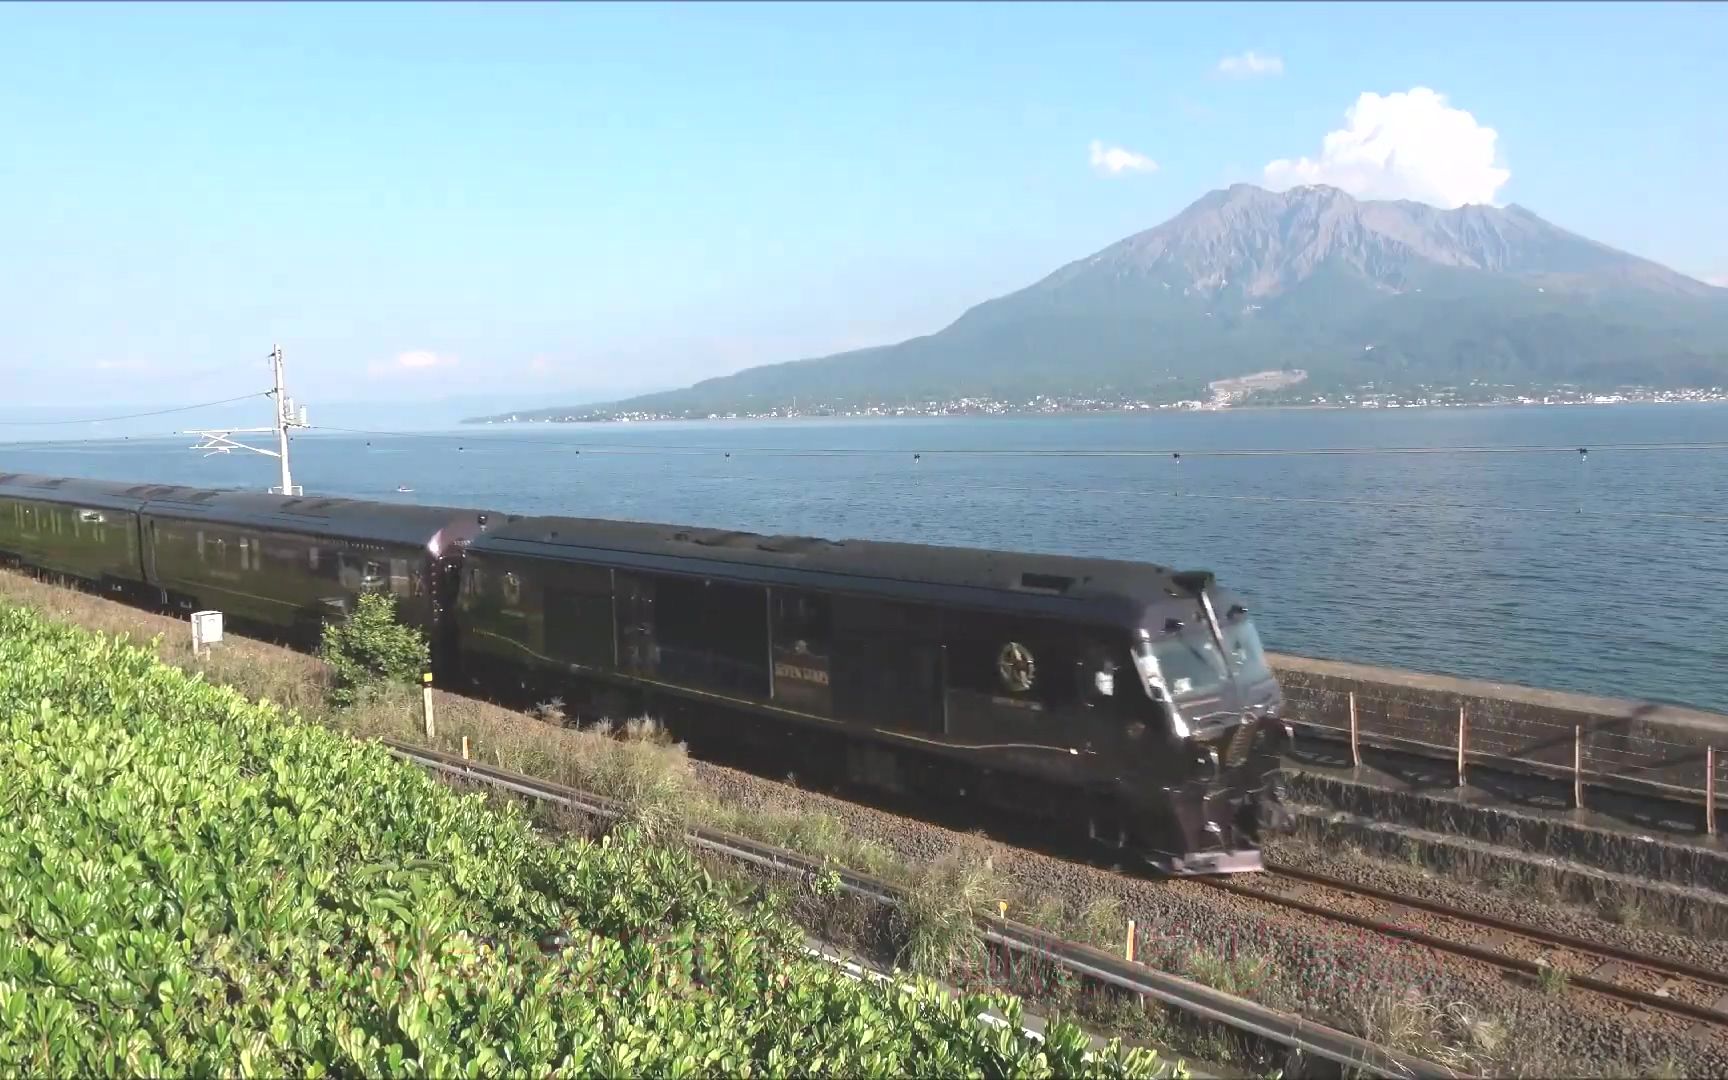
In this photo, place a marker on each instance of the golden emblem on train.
(1015, 667)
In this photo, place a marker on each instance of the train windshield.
(1246, 654)
(1187, 664)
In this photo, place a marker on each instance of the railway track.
(1348, 1053)
(1648, 982)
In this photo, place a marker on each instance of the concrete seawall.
(1637, 746)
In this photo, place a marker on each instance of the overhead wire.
(1394, 504)
(133, 416)
(1352, 504)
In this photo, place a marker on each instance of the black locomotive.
(1125, 699)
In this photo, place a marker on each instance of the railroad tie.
(1701, 1029)
(1608, 971)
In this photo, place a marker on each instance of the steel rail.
(1202, 1002)
(1676, 968)
(1478, 953)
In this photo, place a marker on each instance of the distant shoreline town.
(1231, 394)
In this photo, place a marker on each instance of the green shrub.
(369, 648)
(192, 884)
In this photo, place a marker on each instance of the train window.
(400, 578)
(577, 603)
(712, 634)
(312, 557)
(200, 545)
(512, 588)
(803, 621)
(803, 643)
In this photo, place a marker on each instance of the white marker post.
(206, 630)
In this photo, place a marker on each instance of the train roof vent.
(314, 506)
(1192, 581)
(202, 496)
(793, 545)
(1048, 583)
(714, 537)
(54, 483)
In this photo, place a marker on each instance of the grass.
(1552, 980)
(1103, 923)
(819, 835)
(1452, 1034)
(940, 917)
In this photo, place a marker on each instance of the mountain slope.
(1243, 280)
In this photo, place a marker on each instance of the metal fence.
(1621, 752)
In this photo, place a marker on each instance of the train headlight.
(1105, 681)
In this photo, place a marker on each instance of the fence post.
(1578, 766)
(426, 703)
(1355, 734)
(464, 748)
(1128, 947)
(1463, 722)
(1710, 791)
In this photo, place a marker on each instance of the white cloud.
(414, 360)
(1402, 146)
(423, 359)
(1250, 65)
(1718, 280)
(1114, 160)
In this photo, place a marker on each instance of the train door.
(636, 647)
(888, 665)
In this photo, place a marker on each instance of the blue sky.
(558, 202)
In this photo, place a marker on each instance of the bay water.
(1604, 572)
